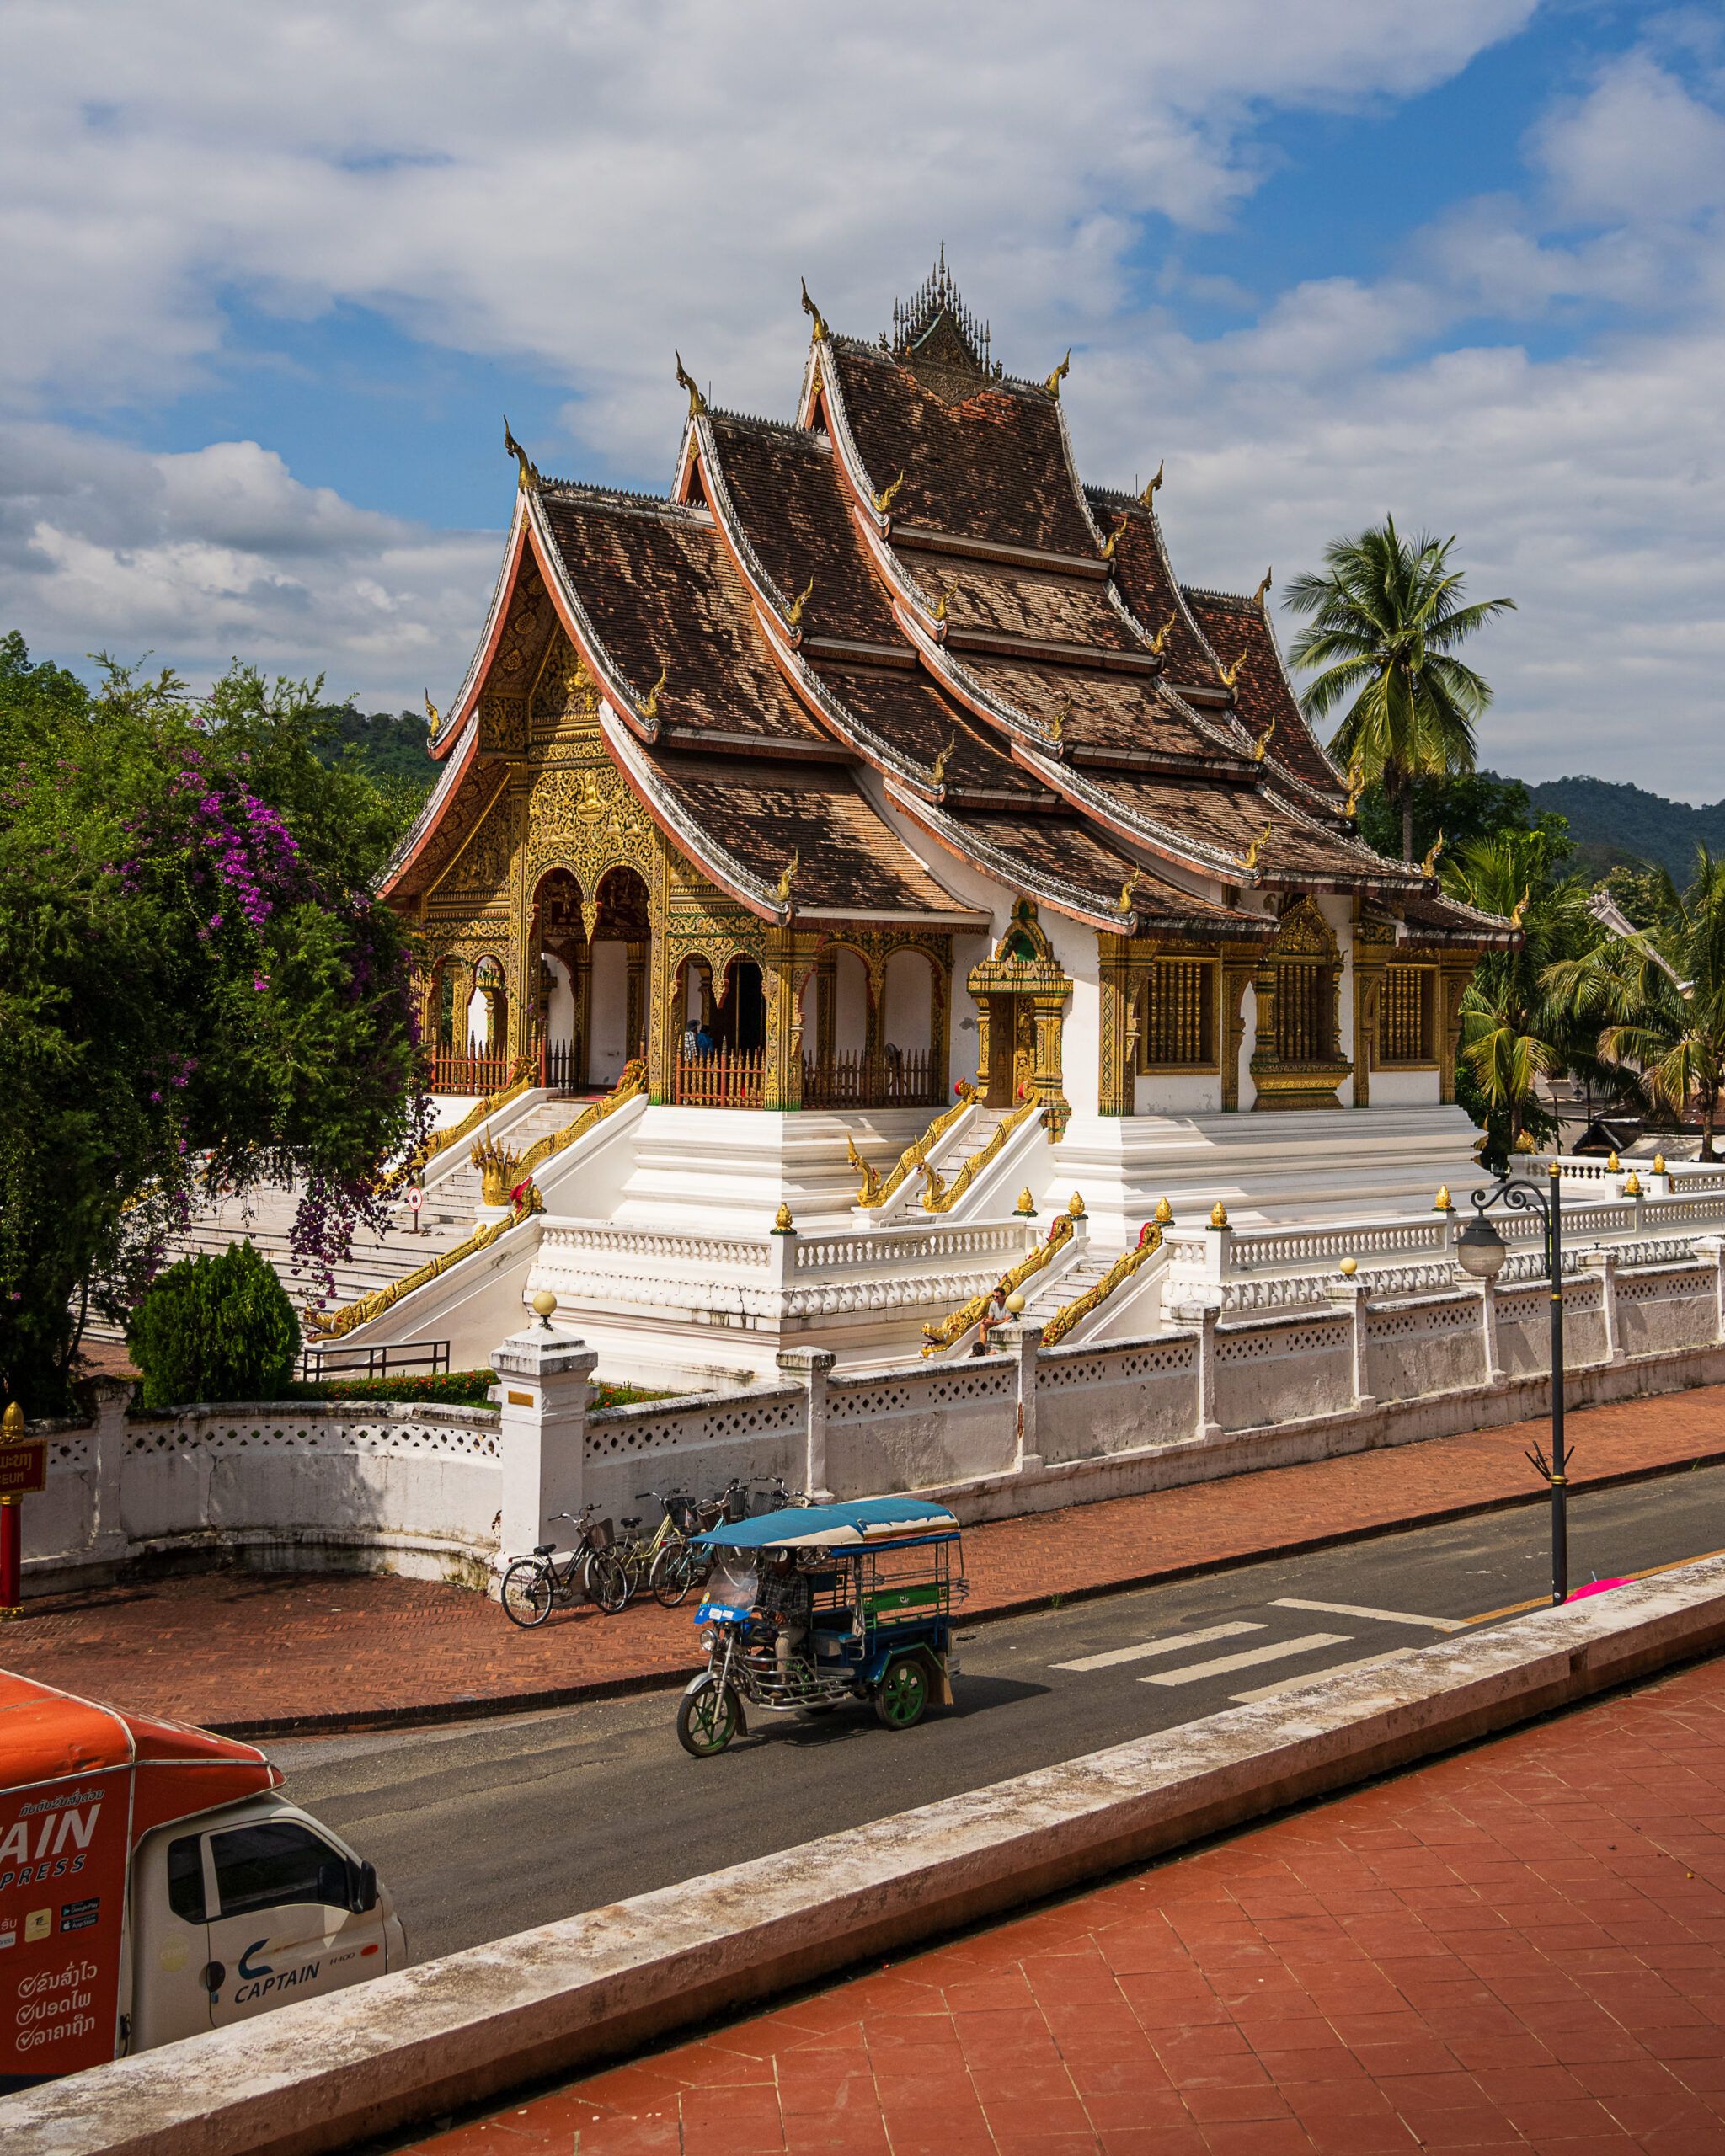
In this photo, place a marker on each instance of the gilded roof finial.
(1259, 596)
(1123, 904)
(1053, 384)
(432, 712)
(1057, 724)
(939, 769)
(1231, 675)
(814, 315)
(1254, 852)
(1356, 785)
(795, 613)
(948, 593)
(1148, 497)
(650, 709)
(888, 495)
(698, 402)
(786, 876)
(529, 473)
(1429, 867)
(1521, 912)
(1261, 747)
(1114, 538)
(1160, 639)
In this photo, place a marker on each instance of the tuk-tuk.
(881, 1577)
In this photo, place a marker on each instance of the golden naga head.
(698, 402)
(888, 495)
(787, 877)
(1261, 747)
(814, 315)
(1254, 852)
(432, 712)
(1160, 639)
(1262, 590)
(528, 477)
(793, 612)
(650, 709)
(1521, 912)
(949, 592)
(1356, 785)
(1429, 867)
(1231, 675)
(937, 770)
(1148, 497)
(1053, 384)
(1114, 538)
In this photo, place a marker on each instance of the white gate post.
(1713, 1246)
(542, 1374)
(1604, 1263)
(1350, 1293)
(1209, 1426)
(810, 1367)
(1020, 1341)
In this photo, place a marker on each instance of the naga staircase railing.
(1149, 1242)
(940, 1195)
(876, 1188)
(948, 1330)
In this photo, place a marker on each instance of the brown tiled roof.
(992, 467)
(660, 591)
(1047, 609)
(1237, 630)
(908, 711)
(1148, 587)
(1127, 714)
(1431, 917)
(762, 811)
(790, 501)
(1231, 816)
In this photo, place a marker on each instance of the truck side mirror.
(362, 1888)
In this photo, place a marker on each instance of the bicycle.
(665, 1562)
(533, 1587)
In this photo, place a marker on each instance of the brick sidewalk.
(270, 1652)
(1519, 1949)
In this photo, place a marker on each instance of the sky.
(271, 279)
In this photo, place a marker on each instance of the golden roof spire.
(529, 474)
(698, 402)
(1053, 384)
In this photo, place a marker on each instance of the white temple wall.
(1339, 913)
(1197, 1094)
(1081, 1036)
(560, 1006)
(1405, 1089)
(607, 1045)
(850, 1025)
(1248, 1044)
(908, 1018)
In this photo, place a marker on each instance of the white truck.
(153, 1884)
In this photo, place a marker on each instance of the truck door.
(291, 1915)
(170, 1939)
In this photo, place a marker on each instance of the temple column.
(1115, 1084)
(940, 1025)
(782, 1089)
(1236, 978)
(637, 954)
(1453, 978)
(1050, 1006)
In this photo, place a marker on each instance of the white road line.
(1318, 1676)
(1170, 1643)
(1278, 1650)
(1379, 1616)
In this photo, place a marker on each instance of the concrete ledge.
(411, 2046)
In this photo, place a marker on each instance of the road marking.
(1378, 1616)
(1544, 1601)
(1278, 1650)
(1318, 1676)
(1169, 1643)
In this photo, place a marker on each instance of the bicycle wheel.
(607, 1582)
(527, 1593)
(674, 1571)
(708, 1716)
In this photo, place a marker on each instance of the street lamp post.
(1480, 1250)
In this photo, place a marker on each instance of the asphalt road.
(494, 1826)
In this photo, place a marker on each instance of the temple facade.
(882, 769)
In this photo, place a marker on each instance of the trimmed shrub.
(450, 1388)
(214, 1328)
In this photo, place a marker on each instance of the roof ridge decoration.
(698, 402)
(822, 334)
(915, 320)
(529, 474)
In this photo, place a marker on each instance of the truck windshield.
(274, 1861)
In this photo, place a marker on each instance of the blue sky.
(277, 278)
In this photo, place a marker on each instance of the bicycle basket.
(682, 1512)
(601, 1535)
(736, 1506)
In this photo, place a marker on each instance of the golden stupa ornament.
(1026, 1206)
(1219, 1214)
(1614, 1165)
(1632, 1189)
(1658, 1164)
(781, 1222)
(1074, 1207)
(1441, 1204)
(1164, 1213)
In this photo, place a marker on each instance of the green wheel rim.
(712, 1718)
(903, 1691)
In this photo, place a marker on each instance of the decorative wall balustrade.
(727, 1078)
(892, 1078)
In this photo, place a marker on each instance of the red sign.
(416, 1197)
(23, 1468)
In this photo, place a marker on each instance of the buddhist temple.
(876, 796)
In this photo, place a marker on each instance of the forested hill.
(386, 746)
(1612, 823)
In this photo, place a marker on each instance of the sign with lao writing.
(23, 1468)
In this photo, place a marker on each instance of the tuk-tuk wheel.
(707, 1719)
(902, 1695)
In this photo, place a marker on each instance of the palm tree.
(1386, 617)
(1515, 1030)
(1658, 995)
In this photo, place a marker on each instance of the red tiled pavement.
(1521, 1948)
(265, 1652)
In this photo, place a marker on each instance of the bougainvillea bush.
(214, 1328)
(199, 990)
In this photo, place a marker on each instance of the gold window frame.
(1209, 1008)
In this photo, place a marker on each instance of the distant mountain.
(1612, 824)
(388, 746)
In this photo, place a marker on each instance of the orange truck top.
(80, 1786)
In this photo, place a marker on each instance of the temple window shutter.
(1177, 1029)
(1304, 1014)
(1406, 1015)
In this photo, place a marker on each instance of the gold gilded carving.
(1149, 1242)
(971, 1314)
(1148, 497)
(1052, 385)
(888, 495)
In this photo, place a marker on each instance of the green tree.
(1657, 997)
(1385, 618)
(1515, 1032)
(198, 989)
(214, 1328)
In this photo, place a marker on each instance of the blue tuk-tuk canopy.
(832, 1527)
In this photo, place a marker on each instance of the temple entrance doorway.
(1011, 1075)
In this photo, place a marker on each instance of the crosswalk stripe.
(1318, 1676)
(1169, 1643)
(1377, 1616)
(1278, 1650)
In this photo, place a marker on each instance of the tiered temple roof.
(908, 597)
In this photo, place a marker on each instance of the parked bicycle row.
(609, 1562)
